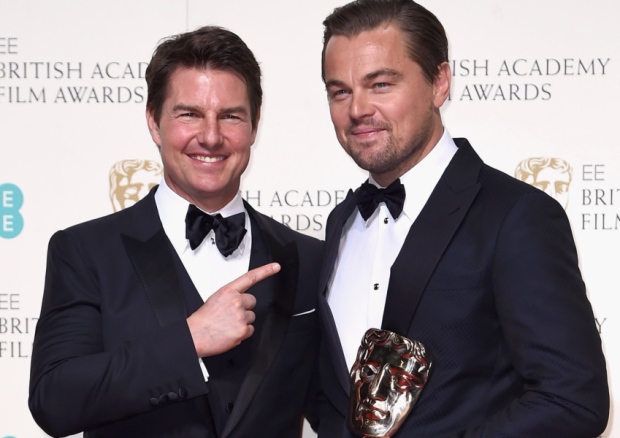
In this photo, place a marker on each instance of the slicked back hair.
(424, 35)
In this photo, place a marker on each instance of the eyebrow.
(198, 109)
(189, 108)
(334, 83)
(383, 72)
(367, 77)
(234, 110)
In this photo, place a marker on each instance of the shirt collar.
(172, 210)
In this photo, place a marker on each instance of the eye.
(542, 185)
(402, 383)
(187, 116)
(339, 94)
(561, 188)
(380, 87)
(368, 371)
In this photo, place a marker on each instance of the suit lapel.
(429, 236)
(152, 257)
(278, 315)
(328, 326)
(152, 260)
(332, 238)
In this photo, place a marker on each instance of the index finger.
(253, 276)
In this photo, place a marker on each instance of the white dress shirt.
(357, 289)
(206, 266)
(208, 269)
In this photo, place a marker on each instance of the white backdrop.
(531, 79)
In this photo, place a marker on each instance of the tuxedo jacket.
(488, 280)
(113, 355)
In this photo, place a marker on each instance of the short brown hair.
(207, 47)
(425, 36)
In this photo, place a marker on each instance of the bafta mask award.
(387, 378)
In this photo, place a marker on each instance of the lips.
(364, 131)
(372, 412)
(207, 159)
(367, 129)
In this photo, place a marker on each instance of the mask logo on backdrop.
(554, 176)
(131, 180)
(551, 175)
(11, 220)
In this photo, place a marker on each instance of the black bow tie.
(370, 196)
(229, 231)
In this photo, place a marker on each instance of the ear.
(441, 84)
(153, 127)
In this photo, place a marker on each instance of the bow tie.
(370, 196)
(229, 231)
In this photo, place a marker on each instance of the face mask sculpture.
(386, 380)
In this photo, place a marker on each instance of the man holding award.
(475, 268)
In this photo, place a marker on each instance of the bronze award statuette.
(386, 381)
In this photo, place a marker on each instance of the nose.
(380, 387)
(143, 190)
(360, 106)
(210, 133)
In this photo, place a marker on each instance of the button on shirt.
(208, 269)
(358, 287)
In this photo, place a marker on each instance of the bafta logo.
(551, 175)
(131, 180)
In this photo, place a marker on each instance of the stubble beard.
(391, 157)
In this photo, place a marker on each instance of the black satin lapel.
(329, 331)
(428, 238)
(332, 237)
(278, 316)
(330, 336)
(153, 261)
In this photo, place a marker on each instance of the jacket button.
(182, 392)
(172, 396)
(154, 401)
(163, 398)
(229, 407)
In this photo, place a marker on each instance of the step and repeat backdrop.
(534, 90)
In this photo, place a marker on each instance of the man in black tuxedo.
(477, 266)
(142, 307)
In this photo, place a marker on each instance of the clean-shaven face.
(205, 133)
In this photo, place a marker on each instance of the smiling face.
(204, 134)
(384, 110)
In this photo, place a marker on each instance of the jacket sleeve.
(549, 328)
(77, 381)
